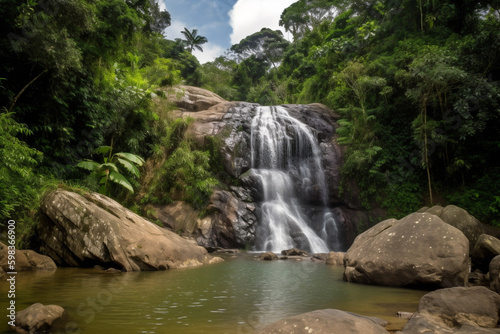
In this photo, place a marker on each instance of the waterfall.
(286, 158)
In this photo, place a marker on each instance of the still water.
(237, 296)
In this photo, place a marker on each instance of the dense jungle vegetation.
(414, 81)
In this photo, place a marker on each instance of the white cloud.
(250, 16)
(210, 52)
(174, 31)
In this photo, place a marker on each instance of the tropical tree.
(266, 45)
(193, 40)
(109, 170)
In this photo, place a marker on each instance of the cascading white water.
(286, 158)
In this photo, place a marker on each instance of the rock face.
(90, 230)
(327, 321)
(39, 318)
(193, 98)
(418, 250)
(456, 310)
(26, 260)
(460, 219)
(234, 211)
(487, 247)
(229, 222)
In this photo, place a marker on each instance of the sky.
(223, 22)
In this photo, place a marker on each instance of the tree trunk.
(22, 90)
(426, 152)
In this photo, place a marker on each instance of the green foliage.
(482, 199)
(184, 175)
(18, 180)
(109, 171)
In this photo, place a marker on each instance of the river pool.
(237, 296)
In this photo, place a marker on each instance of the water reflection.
(236, 296)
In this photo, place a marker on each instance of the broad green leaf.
(121, 180)
(103, 179)
(111, 166)
(131, 157)
(103, 149)
(88, 165)
(129, 166)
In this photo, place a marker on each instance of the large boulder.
(460, 219)
(39, 318)
(328, 321)
(456, 310)
(487, 247)
(94, 229)
(193, 98)
(26, 260)
(418, 250)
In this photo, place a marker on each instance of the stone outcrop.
(26, 260)
(456, 310)
(460, 219)
(39, 318)
(294, 252)
(418, 250)
(229, 221)
(190, 98)
(335, 259)
(268, 256)
(327, 321)
(487, 247)
(94, 229)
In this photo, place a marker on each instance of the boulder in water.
(26, 260)
(456, 310)
(268, 256)
(418, 250)
(294, 252)
(39, 318)
(327, 321)
(90, 230)
(335, 258)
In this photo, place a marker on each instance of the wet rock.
(90, 230)
(268, 256)
(327, 321)
(487, 247)
(233, 220)
(335, 258)
(456, 310)
(26, 260)
(418, 250)
(319, 257)
(294, 252)
(39, 318)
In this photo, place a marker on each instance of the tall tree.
(266, 45)
(193, 40)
